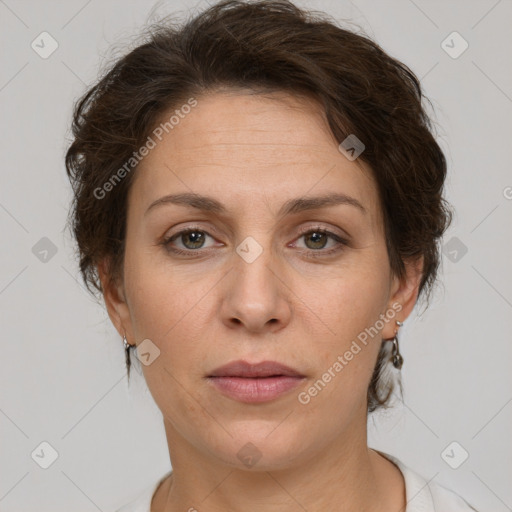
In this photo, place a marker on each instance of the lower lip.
(255, 390)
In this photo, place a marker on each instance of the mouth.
(255, 383)
(264, 369)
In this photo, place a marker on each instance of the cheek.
(160, 294)
(354, 299)
(164, 303)
(170, 307)
(350, 306)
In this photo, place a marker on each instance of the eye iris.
(316, 234)
(196, 236)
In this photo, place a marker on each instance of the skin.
(252, 153)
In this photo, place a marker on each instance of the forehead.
(238, 145)
(233, 124)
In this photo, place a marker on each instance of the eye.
(316, 240)
(193, 241)
(191, 238)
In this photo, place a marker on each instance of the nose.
(255, 294)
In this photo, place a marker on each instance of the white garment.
(421, 496)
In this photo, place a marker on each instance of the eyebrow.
(296, 205)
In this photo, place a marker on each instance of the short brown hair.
(265, 45)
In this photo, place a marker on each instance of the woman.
(258, 199)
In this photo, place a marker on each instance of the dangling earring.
(127, 348)
(396, 357)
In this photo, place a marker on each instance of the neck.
(345, 476)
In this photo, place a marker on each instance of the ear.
(405, 293)
(115, 301)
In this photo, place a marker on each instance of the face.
(259, 276)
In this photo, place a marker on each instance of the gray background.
(62, 375)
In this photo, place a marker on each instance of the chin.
(260, 446)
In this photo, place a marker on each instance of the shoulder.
(428, 496)
(143, 501)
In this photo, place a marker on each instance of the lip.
(255, 383)
(263, 369)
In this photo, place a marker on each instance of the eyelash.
(341, 242)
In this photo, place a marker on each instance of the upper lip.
(263, 369)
